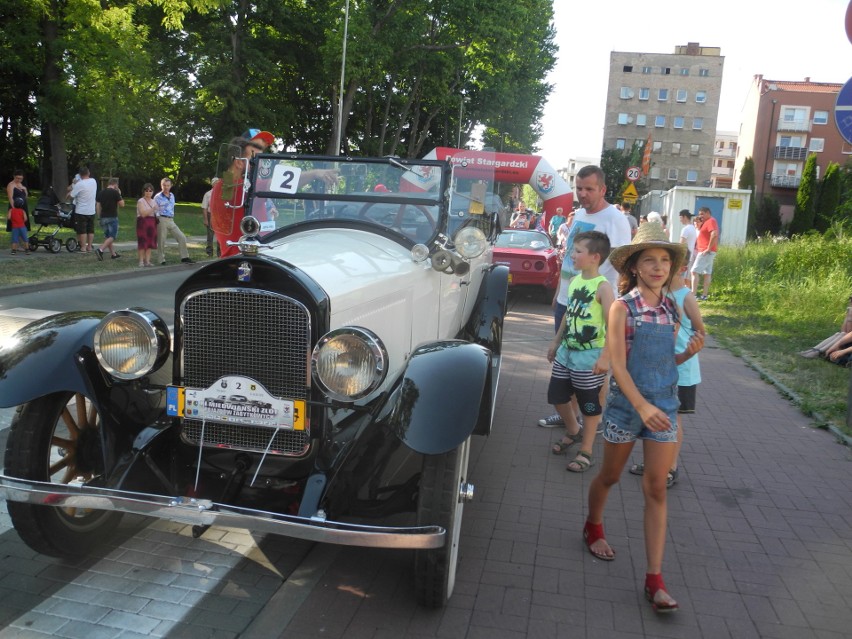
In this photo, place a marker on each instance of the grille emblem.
(244, 272)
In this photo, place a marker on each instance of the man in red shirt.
(705, 251)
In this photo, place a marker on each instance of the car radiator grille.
(257, 334)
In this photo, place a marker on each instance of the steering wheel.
(393, 219)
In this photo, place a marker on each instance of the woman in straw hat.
(642, 401)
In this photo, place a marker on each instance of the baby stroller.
(52, 215)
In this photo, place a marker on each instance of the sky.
(780, 39)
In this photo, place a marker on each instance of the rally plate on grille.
(236, 400)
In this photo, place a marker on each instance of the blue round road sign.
(843, 111)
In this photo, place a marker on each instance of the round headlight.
(249, 226)
(470, 242)
(349, 363)
(130, 344)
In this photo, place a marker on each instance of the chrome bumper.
(207, 513)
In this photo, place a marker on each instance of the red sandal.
(653, 585)
(591, 534)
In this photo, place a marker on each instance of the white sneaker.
(551, 421)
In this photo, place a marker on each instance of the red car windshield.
(532, 240)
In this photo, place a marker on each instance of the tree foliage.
(806, 199)
(829, 198)
(747, 181)
(767, 217)
(146, 88)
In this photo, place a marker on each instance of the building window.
(703, 73)
(672, 174)
(626, 93)
(701, 97)
(691, 176)
(677, 122)
(820, 117)
(628, 68)
(623, 118)
(684, 71)
(647, 70)
(644, 94)
(794, 115)
(697, 124)
(694, 149)
(816, 145)
(665, 70)
(660, 121)
(681, 95)
(655, 173)
(675, 148)
(641, 119)
(662, 95)
(620, 143)
(656, 147)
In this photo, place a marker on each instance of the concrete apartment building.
(671, 99)
(782, 123)
(569, 171)
(724, 159)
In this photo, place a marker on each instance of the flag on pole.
(646, 157)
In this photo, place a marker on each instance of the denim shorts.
(109, 226)
(623, 425)
(19, 235)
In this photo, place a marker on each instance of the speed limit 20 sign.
(634, 173)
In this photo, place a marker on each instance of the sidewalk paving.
(759, 541)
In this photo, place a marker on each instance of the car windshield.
(398, 194)
(523, 240)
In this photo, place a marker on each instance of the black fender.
(442, 397)
(485, 325)
(46, 356)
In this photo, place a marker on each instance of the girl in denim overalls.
(642, 401)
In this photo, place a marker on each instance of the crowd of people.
(623, 313)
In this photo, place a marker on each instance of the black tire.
(440, 502)
(56, 439)
(54, 245)
(33, 244)
(71, 244)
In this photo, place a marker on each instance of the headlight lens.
(131, 343)
(349, 363)
(470, 242)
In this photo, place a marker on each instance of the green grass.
(770, 300)
(42, 266)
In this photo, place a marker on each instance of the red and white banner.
(512, 168)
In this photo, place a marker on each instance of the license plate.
(236, 400)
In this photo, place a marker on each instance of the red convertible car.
(531, 257)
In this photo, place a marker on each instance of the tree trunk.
(52, 108)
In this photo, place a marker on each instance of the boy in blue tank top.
(578, 352)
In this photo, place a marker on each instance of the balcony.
(794, 125)
(791, 153)
(724, 153)
(722, 171)
(786, 181)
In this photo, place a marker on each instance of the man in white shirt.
(84, 192)
(688, 235)
(594, 214)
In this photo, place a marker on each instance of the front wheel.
(443, 491)
(57, 439)
(33, 243)
(54, 245)
(71, 244)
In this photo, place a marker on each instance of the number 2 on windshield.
(285, 179)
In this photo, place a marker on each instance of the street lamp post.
(461, 114)
(342, 76)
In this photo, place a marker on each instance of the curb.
(819, 420)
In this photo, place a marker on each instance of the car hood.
(353, 267)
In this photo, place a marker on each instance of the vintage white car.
(323, 383)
